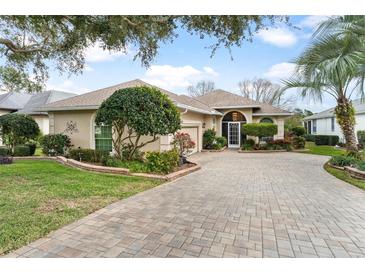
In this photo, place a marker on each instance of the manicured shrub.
(361, 137)
(21, 150)
(221, 141)
(32, 148)
(328, 140)
(55, 144)
(298, 131)
(248, 144)
(279, 145)
(4, 151)
(162, 162)
(260, 129)
(342, 160)
(309, 137)
(88, 155)
(209, 137)
(128, 155)
(298, 142)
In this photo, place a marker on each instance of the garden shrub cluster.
(361, 138)
(162, 162)
(55, 144)
(248, 144)
(21, 150)
(298, 142)
(298, 131)
(326, 140)
(88, 155)
(211, 141)
(4, 151)
(343, 160)
(280, 144)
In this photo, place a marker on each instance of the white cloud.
(170, 77)
(97, 54)
(280, 71)
(280, 37)
(68, 86)
(312, 21)
(88, 68)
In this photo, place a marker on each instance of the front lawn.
(344, 176)
(37, 197)
(323, 150)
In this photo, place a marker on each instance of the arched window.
(266, 120)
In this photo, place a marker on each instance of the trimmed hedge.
(88, 155)
(298, 131)
(326, 140)
(209, 138)
(248, 144)
(22, 150)
(4, 151)
(278, 145)
(55, 144)
(260, 129)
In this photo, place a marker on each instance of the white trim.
(92, 131)
(273, 114)
(243, 106)
(239, 135)
(194, 109)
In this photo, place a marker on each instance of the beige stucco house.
(220, 110)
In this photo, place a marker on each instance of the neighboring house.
(220, 110)
(325, 122)
(26, 103)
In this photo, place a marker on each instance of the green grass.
(37, 197)
(322, 150)
(344, 176)
(133, 166)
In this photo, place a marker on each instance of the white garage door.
(193, 132)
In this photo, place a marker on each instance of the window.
(266, 120)
(314, 126)
(333, 124)
(103, 138)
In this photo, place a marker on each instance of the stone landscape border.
(113, 170)
(214, 150)
(262, 151)
(352, 171)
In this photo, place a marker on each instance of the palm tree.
(334, 64)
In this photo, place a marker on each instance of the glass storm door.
(234, 134)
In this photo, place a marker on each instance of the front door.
(234, 134)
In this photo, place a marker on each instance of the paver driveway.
(238, 205)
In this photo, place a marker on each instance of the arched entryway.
(231, 128)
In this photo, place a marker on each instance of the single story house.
(325, 122)
(26, 103)
(220, 110)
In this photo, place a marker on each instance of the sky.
(188, 60)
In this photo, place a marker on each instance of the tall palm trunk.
(345, 115)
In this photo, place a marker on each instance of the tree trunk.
(345, 115)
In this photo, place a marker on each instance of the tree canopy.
(29, 45)
(16, 129)
(201, 88)
(135, 112)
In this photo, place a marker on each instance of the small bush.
(4, 151)
(298, 142)
(309, 137)
(248, 144)
(162, 162)
(126, 152)
(298, 131)
(88, 155)
(342, 160)
(326, 140)
(361, 165)
(361, 137)
(55, 144)
(209, 137)
(21, 150)
(221, 141)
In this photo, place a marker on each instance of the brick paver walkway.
(238, 205)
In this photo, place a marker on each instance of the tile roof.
(208, 103)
